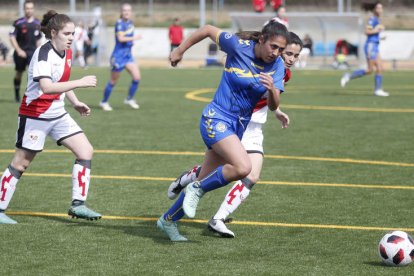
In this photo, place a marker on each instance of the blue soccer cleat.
(83, 212)
(170, 228)
(4, 219)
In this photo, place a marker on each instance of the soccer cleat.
(83, 212)
(181, 182)
(4, 219)
(176, 187)
(345, 79)
(105, 106)
(218, 226)
(381, 93)
(193, 193)
(170, 228)
(132, 103)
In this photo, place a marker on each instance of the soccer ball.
(396, 248)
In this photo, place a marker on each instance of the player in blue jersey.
(122, 58)
(253, 67)
(25, 37)
(374, 62)
(252, 141)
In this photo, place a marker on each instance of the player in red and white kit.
(252, 141)
(42, 114)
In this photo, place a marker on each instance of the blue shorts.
(215, 125)
(371, 50)
(119, 60)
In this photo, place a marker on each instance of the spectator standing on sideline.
(176, 34)
(25, 38)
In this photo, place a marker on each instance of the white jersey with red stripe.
(46, 63)
(260, 110)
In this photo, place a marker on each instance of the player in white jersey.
(81, 37)
(252, 141)
(42, 114)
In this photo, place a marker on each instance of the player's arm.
(197, 36)
(273, 97)
(122, 37)
(81, 107)
(16, 46)
(49, 87)
(369, 30)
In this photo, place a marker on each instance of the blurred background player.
(176, 34)
(307, 51)
(281, 16)
(80, 40)
(25, 37)
(373, 31)
(225, 119)
(253, 143)
(122, 58)
(42, 114)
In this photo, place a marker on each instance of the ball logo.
(221, 127)
(228, 36)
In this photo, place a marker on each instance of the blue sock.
(378, 82)
(214, 180)
(107, 92)
(357, 74)
(176, 211)
(133, 89)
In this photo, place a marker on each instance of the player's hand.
(175, 57)
(82, 108)
(267, 81)
(88, 81)
(282, 117)
(22, 54)
(380, 28)
(137, 36)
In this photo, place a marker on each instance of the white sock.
(80, 182)
(237, 194)
(7, 187)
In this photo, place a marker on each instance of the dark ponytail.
(271, 29)
(53, 21)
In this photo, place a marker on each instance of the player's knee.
(86, 153)
(243, 169)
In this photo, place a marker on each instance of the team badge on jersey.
(228, 35)
(221, 127)
(69, 62)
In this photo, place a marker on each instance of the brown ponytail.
(53, 21)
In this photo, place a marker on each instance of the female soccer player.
(373, 31)
(252, 68)
(42, 114)
(253, 143)
(122, 58)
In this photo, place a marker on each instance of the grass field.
(333, 183)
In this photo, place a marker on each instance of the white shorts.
(252, 139)
(32, 132)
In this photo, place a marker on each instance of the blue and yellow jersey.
(240, 87)
(373, 21)
(127, 29)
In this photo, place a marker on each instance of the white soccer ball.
(396, 248)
